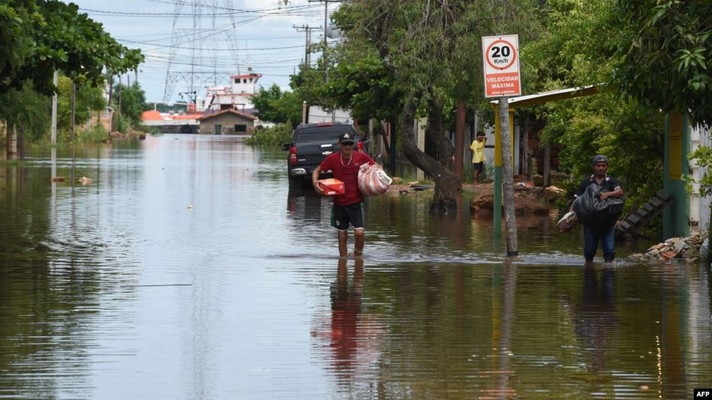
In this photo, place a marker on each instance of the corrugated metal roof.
(553, 95)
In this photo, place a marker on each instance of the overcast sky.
(200, 43)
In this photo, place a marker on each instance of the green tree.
(359, 81)
(430, 52)
(130, 102)
(41, 36)
(669, 41)
(86, 100)
(38, 37)
(277, 106)
(16, 18)
(666, 61)
(28, 110)
(577, 47)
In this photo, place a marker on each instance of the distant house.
(171, 123)
(227, 122)
(224, 110)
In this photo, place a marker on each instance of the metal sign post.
(500, 59)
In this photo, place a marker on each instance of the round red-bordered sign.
(500, 53)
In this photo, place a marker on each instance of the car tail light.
(293, 155)
(360, 146)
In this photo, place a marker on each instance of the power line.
(199, 39)
(226, 11)
(326, 27)
(211, 52)
(308, 30)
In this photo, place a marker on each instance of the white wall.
(318, 114)
(699, 206)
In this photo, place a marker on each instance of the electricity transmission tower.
(203, 39)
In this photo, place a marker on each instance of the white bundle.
(373, 180)
(567, 222)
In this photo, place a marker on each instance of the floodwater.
(187, 270)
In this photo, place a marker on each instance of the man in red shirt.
(348, 207)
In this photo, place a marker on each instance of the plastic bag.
(599, 215)
(373, 180)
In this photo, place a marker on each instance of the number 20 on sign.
(500, 59)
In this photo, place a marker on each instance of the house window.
(240, 128)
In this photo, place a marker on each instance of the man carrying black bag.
(598, 205)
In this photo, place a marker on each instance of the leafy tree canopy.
(28, 110)
(86, 99)
(578, 48)
(358, 81)
(667, 62)
(130, 102)
(278, 106)
(38, 37)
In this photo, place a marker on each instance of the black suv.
(310, 144)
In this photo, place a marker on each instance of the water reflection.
(595, 318)
(51, 283)
(504, 325)
(306, 206)
(119, 290)
(351, 338)
(345, 313)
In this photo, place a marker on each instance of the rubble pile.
(528, 199)
(687, 248)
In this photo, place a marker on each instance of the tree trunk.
(547, 165)
(447, 184)
(378, 141)
(460, 138)
(442, 147)
(21, 145)
(11, 142)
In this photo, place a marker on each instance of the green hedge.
(273, 136)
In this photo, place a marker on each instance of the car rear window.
(329, 132)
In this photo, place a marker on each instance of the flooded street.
(188, 270)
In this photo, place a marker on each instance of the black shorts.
(479, 166)
(343, 216)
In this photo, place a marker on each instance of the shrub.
(273, 136)
(95, 134)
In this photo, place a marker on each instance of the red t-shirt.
(346, 170)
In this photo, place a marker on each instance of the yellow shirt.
(478, 151)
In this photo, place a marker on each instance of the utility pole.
(307, 63)
(307, 54)
(326, 44)
(55, 101)
(326, 26)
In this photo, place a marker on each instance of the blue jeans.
(590, 239)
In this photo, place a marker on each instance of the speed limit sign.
(500, 59)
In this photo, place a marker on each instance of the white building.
(237, 96)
